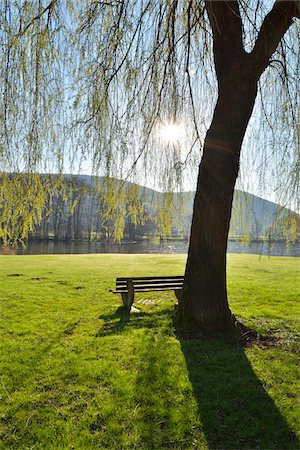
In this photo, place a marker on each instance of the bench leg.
(128, 297)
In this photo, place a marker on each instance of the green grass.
(77, 372)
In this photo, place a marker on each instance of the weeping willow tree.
(93, 85)
(21, 203)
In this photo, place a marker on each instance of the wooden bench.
(128, 286)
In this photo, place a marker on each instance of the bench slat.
(155, 277)
(120, 280)
(150, 280)
(163, 288)
(149, 287)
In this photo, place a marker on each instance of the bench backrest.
(144, 283)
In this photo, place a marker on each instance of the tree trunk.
(204, 305)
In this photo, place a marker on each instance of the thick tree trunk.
(204, 305)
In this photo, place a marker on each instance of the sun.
(171, 132)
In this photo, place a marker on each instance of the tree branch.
(274, 26)
(227, 28)
(49, 8)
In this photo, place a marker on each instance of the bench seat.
(128, 286)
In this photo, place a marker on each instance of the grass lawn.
(77, 373)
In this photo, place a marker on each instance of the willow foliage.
(86, 86)
(22, 202)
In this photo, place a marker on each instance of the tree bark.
(204, 305)
(204, 302)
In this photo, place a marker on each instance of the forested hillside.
(85, 208)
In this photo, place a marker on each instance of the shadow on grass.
(235, 409)
(159, 427)
(161, 417)
(117, 322)
(114, 323)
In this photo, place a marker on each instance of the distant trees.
(76, 208)
(82, 207)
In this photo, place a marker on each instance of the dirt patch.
(70, 328)
(15, 275)
(249, 337)
(239, 335)
(39, 278)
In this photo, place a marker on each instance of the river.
(152, 246)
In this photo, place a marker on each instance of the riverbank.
(77, 372)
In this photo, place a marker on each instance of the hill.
(87, 208)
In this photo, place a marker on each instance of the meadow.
(77, 372)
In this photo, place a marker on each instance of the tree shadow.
(159, 410)
(154, 395)
(121, 319)
(235, 409)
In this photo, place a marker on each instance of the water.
(166, 247)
